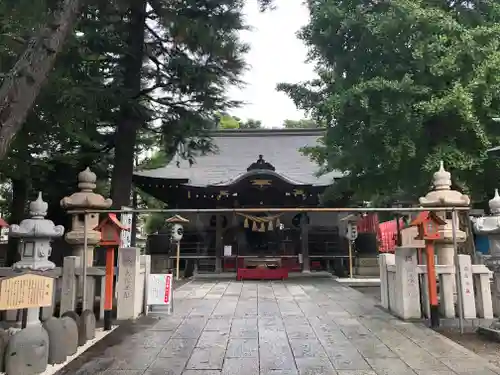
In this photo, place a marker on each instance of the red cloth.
(388, 235)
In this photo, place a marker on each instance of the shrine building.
(251, 168)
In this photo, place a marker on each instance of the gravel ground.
(487, 349)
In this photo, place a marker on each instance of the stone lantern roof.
(37, 226)
(443, 195)
(494, 204)
(86, 198)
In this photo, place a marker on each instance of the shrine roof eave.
(184, 182)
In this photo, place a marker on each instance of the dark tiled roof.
(238, 149)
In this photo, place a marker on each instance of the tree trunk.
(17, 209)
(128, 126)
(23, 82)
(135, 217)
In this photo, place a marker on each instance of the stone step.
(366, 262)
(367, 271)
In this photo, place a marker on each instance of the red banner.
(168, 285)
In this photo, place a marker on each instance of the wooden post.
(178, 260)
(431, 281)
(218, 243)
(304, 233)
(110, 267)
(350, 258)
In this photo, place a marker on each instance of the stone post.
(384, 261)
(490, 226)
(407, 293)
(444, 196)
(85, 199)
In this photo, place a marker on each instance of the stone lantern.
(444, 196)
(82, 200)
(490, 226)
(35, 235)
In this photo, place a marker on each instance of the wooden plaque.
(26, 291)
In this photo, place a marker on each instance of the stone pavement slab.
(297, 327)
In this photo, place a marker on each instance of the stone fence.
(56, 333)
(404, 291)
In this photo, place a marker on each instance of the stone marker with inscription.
(128, 276)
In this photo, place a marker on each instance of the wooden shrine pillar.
(304, 236)
(218, 243)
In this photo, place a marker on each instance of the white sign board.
(228, 250)
(126, 235)
(159, 289)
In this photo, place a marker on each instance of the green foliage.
(192, 53)
(226, 121)
(251, 124)
(301, 124)
(403, 84)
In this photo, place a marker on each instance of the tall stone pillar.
(444, 196)
(490, 226)
(85, 199)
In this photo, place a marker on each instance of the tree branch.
(23, 82)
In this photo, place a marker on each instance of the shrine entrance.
(257, 170)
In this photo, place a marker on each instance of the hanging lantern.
(254, 227)
(262, 227)
(278, 222)
(245, 223)
(270, 226)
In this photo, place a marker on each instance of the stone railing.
(52, 340)
(403, 286)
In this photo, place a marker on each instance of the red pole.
(108, 302)
(431, 279)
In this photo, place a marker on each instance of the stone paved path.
(302, 327)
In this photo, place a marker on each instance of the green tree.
(251, 124)
(300, 124)
(226, 121)
(403, 84)
(22, 84)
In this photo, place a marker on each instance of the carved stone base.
(39, 265)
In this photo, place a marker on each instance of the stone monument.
(85, 199)
(444, 196)
(29, 350)
(490, 226)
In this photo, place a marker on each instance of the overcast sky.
(276, 56)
